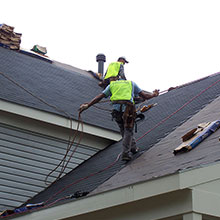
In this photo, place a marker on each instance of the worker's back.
(113, 70)
(121, 90)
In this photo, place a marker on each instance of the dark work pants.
(128, 141)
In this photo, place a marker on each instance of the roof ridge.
(189, 83)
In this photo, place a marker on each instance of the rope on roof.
(112, 164)
(70, 143)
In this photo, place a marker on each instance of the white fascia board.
(56, 120)
(126, 194)
(107, 199)
(195, 176)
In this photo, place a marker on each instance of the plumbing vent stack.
(100, 58)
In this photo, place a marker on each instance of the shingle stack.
(9, 38)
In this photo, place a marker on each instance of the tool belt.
(128, 116)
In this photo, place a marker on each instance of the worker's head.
(123, 60)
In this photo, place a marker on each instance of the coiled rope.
(63, 163)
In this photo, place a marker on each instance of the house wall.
(30, 149)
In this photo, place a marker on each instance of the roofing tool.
(77, 194)
(194, 137)
(140, 116)
(147, 107)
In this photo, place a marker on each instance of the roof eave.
(181, 181)
(58, 120)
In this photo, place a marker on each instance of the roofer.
(114, 69)
(122, 93)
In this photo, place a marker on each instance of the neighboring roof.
(56, 84)
(158, 135)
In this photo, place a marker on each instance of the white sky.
(167, 42)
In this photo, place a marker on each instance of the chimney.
(100, 58)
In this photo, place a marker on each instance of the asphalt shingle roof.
(160, 160)
(174, 109)
(60, 87)
(66, 89)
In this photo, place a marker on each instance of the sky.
(167, 42)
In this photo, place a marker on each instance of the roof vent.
(100, 58)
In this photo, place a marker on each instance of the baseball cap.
(123, 58)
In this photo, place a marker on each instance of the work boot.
(126, 157)
(134, 150)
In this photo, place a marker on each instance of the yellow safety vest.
(113, 69)
(121, 90)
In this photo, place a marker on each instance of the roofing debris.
(194, 137)
(12, 40)
(21, 209)
(168, 102)
(39, 49)
(9, 38)
(30, 206)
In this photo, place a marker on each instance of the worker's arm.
(148, 95)
(92, 102)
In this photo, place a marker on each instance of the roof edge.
(148, 189)
(57, 120)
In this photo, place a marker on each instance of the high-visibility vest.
(121, 90)
(113, 69)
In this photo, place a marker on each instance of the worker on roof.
(114, 69)
(122, 93)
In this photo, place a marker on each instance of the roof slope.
(159, 160)
(173, 110)
(57, 88)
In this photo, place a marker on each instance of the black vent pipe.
(100, 58)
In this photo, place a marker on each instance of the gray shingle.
(66, 89)
(158, 124)
(57, 86)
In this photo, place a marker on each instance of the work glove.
(83, 107)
